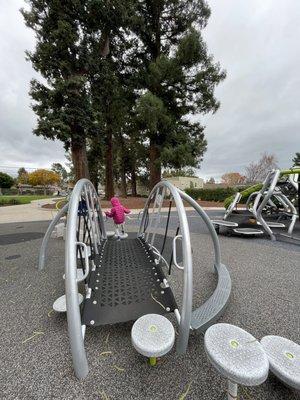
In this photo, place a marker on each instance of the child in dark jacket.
(117, 213)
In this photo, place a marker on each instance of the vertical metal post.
(91, 220)
(232, 393)
(158, 215)
(95, 219)
(154, 205)
(271, 181)
(44, 245)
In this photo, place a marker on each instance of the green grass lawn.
(26, 199)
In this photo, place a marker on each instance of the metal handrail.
(175, 252)
(83, 186)
(187, 299)
(86, 259)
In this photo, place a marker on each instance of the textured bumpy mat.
(126, 284)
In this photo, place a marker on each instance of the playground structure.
(272, 210)
(126, 279)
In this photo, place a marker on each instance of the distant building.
(186, 182)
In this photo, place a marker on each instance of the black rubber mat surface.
(126, 285)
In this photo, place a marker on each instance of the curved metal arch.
(42, 253)
(209, 225)
(187, 301)
(73, 312)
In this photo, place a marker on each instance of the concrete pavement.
(34, 211)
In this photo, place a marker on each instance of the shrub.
(9, 202)
(218, 194)
(6, 181)
(10, 192)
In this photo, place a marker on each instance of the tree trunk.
(133, 180)
(123, 183)
(79, 158)
(155, 164)
(95, 181)
(109, 181)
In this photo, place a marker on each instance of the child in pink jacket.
(117, 213)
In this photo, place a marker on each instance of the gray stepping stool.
(284, 358)
(152, 335)
(236, 355)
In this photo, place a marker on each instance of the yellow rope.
(105, 353)
(35, 333)
(158, 302)
(184, 395)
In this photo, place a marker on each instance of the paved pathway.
(27, 212)
(34, 212)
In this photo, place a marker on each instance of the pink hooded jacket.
(118, 211)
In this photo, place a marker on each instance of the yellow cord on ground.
(184, 395)
(158, 302)
(35, 333)
(105, 353)
(119, 368)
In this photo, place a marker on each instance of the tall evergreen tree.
(61, 99)
(296, 159)
(109, 77)
(177, 79)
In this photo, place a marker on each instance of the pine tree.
(61, 99)
(111, 88)
(296, 159)
(177, 78)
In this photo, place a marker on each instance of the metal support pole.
(89, 209)
(42, 254)
(232, 392)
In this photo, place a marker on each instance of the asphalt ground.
(34, 351)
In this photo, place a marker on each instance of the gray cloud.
(256, 42)
(18, 146)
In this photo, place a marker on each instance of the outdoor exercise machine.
(282, 189)
(126, 279)
(266, 208)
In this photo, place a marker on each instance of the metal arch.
(208, 223)
(73, 312)
(271, 181)
(187, 301)
(42, 253)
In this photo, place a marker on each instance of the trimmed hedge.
(9, 202)
(218, 194)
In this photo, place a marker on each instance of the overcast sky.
(256, 41)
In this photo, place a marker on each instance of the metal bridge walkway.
(125, 284)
